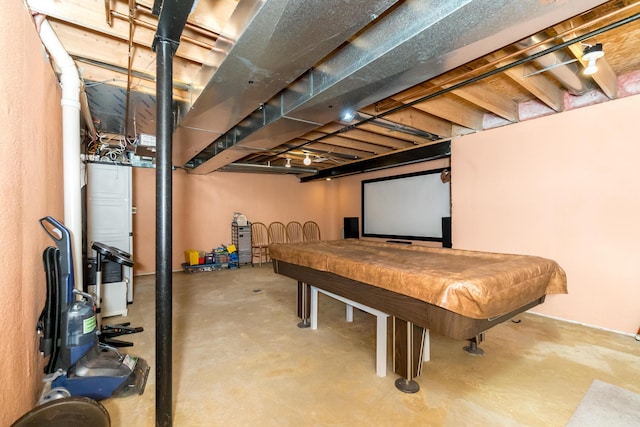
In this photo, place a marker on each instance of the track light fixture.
(288, 165)
(591, 54)
(307, 159)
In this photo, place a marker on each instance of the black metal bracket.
(415, 155)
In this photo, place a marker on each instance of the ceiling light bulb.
(288, 165)
(307, 160)
(348, 116)
(591, 54)
(591, 67)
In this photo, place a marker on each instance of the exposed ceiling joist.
(424, 92)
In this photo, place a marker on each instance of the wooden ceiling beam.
(374, 138)
(79, 17)
(441, 107)
(489, 100)
(409, 140)
(416, 119)
(484, 98)
(323, 148)
(538, 85)
(112, 51)
(373, 134)
(453, 111)
(345, 142)
(360, 136)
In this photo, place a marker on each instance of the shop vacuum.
(79, 364)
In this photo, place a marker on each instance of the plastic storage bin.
(191, 256)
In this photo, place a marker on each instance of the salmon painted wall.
(30, 188)
(203, 208)
(544, 187)
(563, 187)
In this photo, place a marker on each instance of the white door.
(109, 212)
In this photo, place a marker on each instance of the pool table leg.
(408, 350)
(473, 348)
(304, 291)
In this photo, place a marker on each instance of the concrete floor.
(240, 360)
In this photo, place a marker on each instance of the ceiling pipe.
(70, 82)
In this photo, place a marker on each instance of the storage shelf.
(241, 238)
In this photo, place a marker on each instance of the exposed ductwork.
(397, 52)
(265, 47)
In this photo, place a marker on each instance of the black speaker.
(351, 228)
(446, 232)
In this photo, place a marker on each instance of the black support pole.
(171, 21)
(164, 183)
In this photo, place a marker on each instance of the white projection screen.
(409, 206)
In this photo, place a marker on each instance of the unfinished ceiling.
(349, 85)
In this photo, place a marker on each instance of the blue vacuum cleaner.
(78, 362)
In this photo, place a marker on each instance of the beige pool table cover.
(480, 285)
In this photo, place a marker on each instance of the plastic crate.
(209, 258)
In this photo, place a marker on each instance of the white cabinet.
(109, 221)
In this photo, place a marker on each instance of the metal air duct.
(265, 47)
(415, 41)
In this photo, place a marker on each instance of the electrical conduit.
(70, 82)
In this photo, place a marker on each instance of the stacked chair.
(311, 231)
(294, 232)
(277, 232)
(259, 242)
